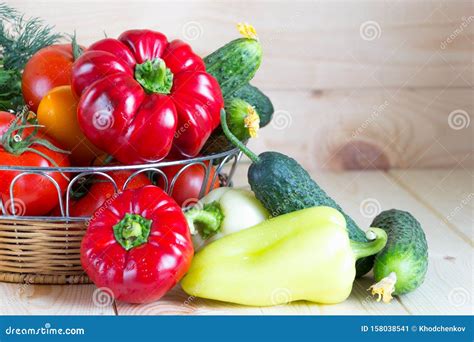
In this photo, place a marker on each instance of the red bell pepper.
(141, 95)
(138, 245)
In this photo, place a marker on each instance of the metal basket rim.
(76, 169)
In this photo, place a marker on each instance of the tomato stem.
(15, 142)
(77, 50)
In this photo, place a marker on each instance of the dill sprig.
(20, 38)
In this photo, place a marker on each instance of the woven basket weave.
(41, 252)
(46, 250)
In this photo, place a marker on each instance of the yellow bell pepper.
(303, 255)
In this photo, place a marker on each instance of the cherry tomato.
(48, 68)
(57, 111)
(102, 190)
(189, 183)
(34, 195)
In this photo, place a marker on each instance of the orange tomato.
(57, 111)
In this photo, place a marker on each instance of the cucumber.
(262, 104)
(249, 95)
(234, 64)
(283, 186)
(404, 259)
(237, 112)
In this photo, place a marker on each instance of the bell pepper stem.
(206, 221)
(132, 231)
(233, 139)
(154, 76)
(378, 241)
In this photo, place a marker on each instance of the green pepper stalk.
(222, 212)
(303, 255)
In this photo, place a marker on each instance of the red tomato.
(48, 68)
(34, 195)
(189, 183)
(102, 190)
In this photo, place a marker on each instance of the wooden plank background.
(356, 84)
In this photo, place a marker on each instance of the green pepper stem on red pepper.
(132, 231)
(142, 97)
(137, 245)
(154, 76)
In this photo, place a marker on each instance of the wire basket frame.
(217, 161)
(46, 249)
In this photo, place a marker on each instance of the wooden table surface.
(442, 200)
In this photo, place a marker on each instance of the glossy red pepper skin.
(136, 125)
(146, 272)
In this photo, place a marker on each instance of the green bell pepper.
(303, 255)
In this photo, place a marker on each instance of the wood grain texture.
(449, 194)
(371, 129)
(307, 44)
(29, 299)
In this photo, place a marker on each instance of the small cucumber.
(242, 98)
(283, 186)
(262, 104)
(401, 266)
(234, 64)
(243, 121)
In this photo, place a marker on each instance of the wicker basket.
(46, 250)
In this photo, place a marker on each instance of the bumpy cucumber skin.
(234, 64)
(262, 104)
(406, 251)
(218, 142)
(283, 186)
(236, 111)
